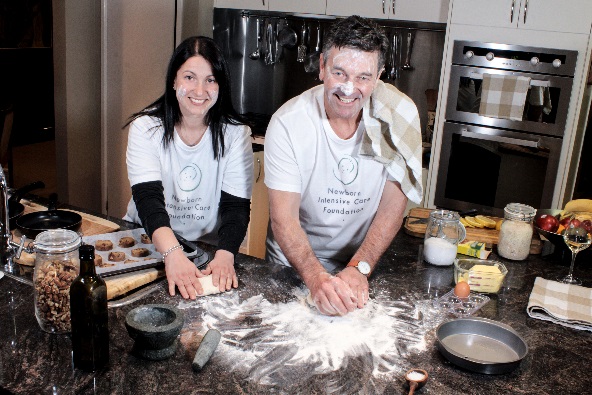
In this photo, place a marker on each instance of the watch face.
(364, 267)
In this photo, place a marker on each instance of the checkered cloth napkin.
(503, 96)
(564, 304)
(393, 137)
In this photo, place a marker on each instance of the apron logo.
(347, 170)
(189, 178)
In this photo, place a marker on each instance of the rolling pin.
(206, 349)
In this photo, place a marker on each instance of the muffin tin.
(461, 307)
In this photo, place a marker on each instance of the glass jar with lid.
(443, 233)
(56, 266)
(516, 231)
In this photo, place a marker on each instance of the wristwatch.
(362, 266)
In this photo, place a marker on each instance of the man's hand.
(358, 283)
(332, 295)
(222, 270)
(183, 273)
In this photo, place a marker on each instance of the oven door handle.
(501, 139)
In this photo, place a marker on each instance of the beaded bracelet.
(167, 252)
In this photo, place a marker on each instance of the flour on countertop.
(269, 342)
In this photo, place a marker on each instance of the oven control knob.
(534, 61)
(489, 56)
(556, 63)
(469, 54)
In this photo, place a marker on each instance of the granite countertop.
(274, 342)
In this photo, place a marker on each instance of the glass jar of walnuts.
(56, 266)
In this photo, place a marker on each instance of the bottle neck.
(87, 267)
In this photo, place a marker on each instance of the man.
(340, 161)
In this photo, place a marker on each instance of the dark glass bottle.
(88, 311)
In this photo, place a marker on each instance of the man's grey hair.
(359, 33)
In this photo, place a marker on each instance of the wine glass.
(577, 239)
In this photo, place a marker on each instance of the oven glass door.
(487, 168)
(545, 108)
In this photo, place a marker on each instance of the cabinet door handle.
(525, 10)
(383, 7)
(512, 11)
(258, 171)
(263, 1)
(394, 12)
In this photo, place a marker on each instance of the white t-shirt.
(340, 190)
(191, 177)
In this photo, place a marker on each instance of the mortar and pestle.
(155, 328)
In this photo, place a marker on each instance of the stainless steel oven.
(487, 162)
(487, 168)
(551, 73)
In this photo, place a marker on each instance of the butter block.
(473, 248)
(482, 276)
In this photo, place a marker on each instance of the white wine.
(576, 240)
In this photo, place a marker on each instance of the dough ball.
(103, 245)
(116, 256)
(126, 242)
(140, 252)
(145, 239)
(98, 260)
(107, 264)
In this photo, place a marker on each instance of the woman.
(190, 165)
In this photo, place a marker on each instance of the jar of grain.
(516, 231)
(56, 266)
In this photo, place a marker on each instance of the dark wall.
(26, 68)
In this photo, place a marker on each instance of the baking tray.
(481, 345)
(138, 263)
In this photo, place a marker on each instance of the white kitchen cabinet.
(300, 6)
(408, 10)
(368, 8)
(243, 4)
(569, 16)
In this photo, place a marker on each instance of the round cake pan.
(481, 345)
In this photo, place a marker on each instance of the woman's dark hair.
(357, 33)
(166, 107)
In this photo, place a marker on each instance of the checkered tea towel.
(393, 137)
(564, 304)
(503, 96)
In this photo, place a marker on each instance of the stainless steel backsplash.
(261, 88)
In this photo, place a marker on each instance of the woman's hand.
(222, 270)
(183, 273)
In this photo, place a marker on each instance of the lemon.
(465, 223)
(498, 224)
(485, 221)
(473, 222)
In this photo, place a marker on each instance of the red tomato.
(547, 222)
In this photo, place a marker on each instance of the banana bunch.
(579, 205)
(478, 221)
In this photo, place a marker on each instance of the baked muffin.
(126, 242)
(116, 256)
(144, 239)
(103, 245)
(140, 252)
